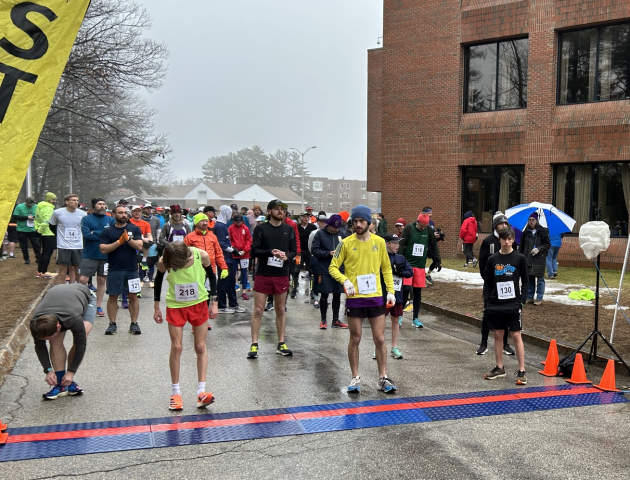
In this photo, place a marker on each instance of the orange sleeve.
(188, 240)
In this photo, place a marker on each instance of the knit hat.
(534, 215)
(423, 219)
(256, 207)
(176, 209)
(199, 217)
(343, 214)
(361, 211)
(95, 200)
(499, 219)
(49, 196)
(334, 221)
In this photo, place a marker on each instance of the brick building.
(485, 104)
(334, 195)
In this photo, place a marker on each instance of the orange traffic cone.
(551, 364)
(3, 436)
(579, 374)
(607, 383)
(3, 426)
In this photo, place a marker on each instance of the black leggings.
(417, 299)
(323, 305)
(468, 251)
(49, 243)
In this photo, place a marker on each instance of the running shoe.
(269, 306)
(537, 302)
(417, 323)
(338, 324)
(355, 385)
(529, 301)
(315, 304)
(111, 329)
(92, 287)
(134, 328)
(176, 402)
(100, 312)
(139, 294)
(253, 351)
(293, 293)
(226, 310)
(125, 303)
(249, 287)
(322, 325)
(244, 296)
(238, 309)
(38, 275)
(386, 385)
(74, 389)
(429, 280)
(46, 275)
(374, 355)
(204, 399)
(400, 320)
(12, 255)
(521, 379)
(27, 262)
(237, 287)
(495, 373)
(507, 350)
(284, 350)
(144, 266)
(475, 261)
(483, 349)
(145, 279)
(151, 285)
(397, 354)
(56, 391)
(408, 308)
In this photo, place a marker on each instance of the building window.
(345, 204)
(318, 186)
(345, 186)
(363, 186)
(363, 196)
(330, 205)
(202, 197)
(330, 186)
(330, 195)
(598, 191)
(485, 89)
(344, 195)
(594, 64)
(489, 189)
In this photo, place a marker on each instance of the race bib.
(134, 285)
(418, 250)
(398, 282)
(30, 223)
(186, 292)
(105, 268)
(178, 238)
(275, 262)
(72, 233)
(245, 263)
(505, 290)
(366, 284)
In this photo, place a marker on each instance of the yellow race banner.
(36, 38)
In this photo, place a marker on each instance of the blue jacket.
(91, 227)
(556, 240)
(221, 231)
(400, 268)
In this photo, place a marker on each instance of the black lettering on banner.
(40, 41)
(9, 82)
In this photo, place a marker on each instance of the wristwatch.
(49, 369)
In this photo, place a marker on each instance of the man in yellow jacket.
(44, 211)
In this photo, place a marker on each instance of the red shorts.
(407, 281)
(271, 285)
(395, 311)
(196, 315)
(419, 277)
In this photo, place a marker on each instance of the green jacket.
(42, 215)
(382, 227)
(412, 236)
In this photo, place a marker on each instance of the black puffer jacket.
(324, 242)
(540, 240)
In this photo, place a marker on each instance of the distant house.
(122, 193)
(217, 194)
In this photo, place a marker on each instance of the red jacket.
(468, 232)
(297, 234)
(241, 239)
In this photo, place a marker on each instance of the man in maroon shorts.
(275, 247)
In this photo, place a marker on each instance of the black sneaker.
(521, 379)
(483, 349)
(284, 350)
(507, 350)
(134, 328)
(495, 373)
(269, 306)
(111, 330)
(293, 293)
(27, 262)
(253, 351)
(429, 280)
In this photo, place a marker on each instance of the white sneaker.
(226, 310)
(355, 384)
(238, 309)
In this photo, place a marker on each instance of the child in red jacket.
(241, 240)
(468, 234)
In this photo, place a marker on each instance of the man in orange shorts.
(186, 302)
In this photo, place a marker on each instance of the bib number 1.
(366, 284)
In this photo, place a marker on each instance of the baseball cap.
(390, 237)
(122, 200)
(234, 206)
(147, 205)
(305, 214)
(276, 203)
(322, 218)
(401, 221)
(209, 208)
(238, 217)
(308, 206)
(261, 218)
(136, 207)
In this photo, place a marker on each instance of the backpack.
(565, 365)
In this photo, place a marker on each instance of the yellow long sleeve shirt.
(363, 262)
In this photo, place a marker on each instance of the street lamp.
(302, 154)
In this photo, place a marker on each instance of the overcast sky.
(274, 73)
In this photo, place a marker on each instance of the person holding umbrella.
(534, 245)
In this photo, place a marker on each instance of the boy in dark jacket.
(534, 245)
(503, 299)
(400, 269)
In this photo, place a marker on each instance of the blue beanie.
(361, 211)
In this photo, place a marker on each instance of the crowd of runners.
(213, 260)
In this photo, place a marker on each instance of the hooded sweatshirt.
(222, 233)
(42, 215)
(468, 231)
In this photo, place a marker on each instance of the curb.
(11, 349)
(529, 337)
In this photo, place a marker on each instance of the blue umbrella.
(548, 216)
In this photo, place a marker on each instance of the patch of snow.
(612, 307)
